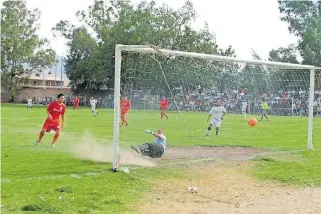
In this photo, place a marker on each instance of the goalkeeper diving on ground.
(155, 149)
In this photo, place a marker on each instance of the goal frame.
(165, 52)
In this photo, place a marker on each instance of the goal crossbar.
(149, 49)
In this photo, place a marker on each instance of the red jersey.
(163, 102)
(125, 104)
(76, 101)
(55, 110)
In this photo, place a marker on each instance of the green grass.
(48, 180)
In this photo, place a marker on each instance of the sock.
(217, 128)
(208, 130)
(162, 114)
(55, 138)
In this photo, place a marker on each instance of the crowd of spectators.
(289, 102)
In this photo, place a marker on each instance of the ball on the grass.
(252, 122)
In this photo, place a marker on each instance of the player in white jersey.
(244, 108)
(93, 103)
(217, 113)
(29, 103)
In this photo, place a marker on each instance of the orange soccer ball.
(252, 122)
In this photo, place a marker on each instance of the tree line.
(89, 64)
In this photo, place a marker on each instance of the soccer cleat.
(37, 143)
(52, 145)
(216, 132)
(135, 149)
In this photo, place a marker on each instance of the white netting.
(194, 85)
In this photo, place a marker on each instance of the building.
(48, 83)
(53, 77)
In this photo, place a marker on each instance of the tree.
(123, 23)
(22, 51)
(304, 18)
(288, 54)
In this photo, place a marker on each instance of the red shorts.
(163, 108)
(124, 112)
(76, 104)
(51, 126)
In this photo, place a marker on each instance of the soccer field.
(53, 180)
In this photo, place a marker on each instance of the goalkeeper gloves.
(149, 131)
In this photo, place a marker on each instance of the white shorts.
(29, 104)
(216, 122)
(93, 107)
(243, 109)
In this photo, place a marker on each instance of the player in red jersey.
(54, 110)
(164, 105)
(125, 106)
(76, 103)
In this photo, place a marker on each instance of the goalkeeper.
(155, 149)
(264, 109)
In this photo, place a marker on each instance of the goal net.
(192, 83)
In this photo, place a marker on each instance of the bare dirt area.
(203, 152)
(225, 187)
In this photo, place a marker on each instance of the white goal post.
(148, 49)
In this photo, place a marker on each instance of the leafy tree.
(288, 55)
(121, 22)
(22, 51)
(304, 18)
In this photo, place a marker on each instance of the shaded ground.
(232, 153)
(228, 189)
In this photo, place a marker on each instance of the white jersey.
(93, 102)
(29, 101)
(217, 112)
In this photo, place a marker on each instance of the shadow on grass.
(42, 207)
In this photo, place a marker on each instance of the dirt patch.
(227, 188)
(232, 153)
